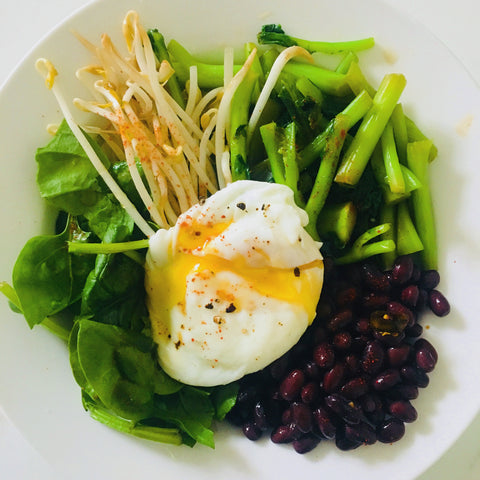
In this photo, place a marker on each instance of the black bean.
(347, 296)
(414, 375)
(292, 384)
(260, 416)
(425, 355)
(403, 391)
(390, 431)
(429, 279)
(324, 423)
(409, 295)
(339, 320)
(399, 354)
(302, 416)
(333, 378)
(386, 379)
(345, 444)
(374, 278)
(283, 434)
(438, 303)
(324, 355)
(311, 370)
(309, 392)
(342, 341)
(362, 433)
(344, 408)
(355, 388)
(251, 431)
(402, 270)
(414, 331)
(403, 410)
(305, 444)
(373, 356)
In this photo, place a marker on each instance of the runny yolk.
(297, 286)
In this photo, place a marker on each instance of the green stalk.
(357, 81)
(326, 80)
(392, 164)
(418, 158)
(400, 133)
(326, 173)
(361, 249)
(309, 90)
(102, 248)
(346, 61)
(388, 215)
(353, 113)
(408, 240)
(209, 75)
(157, 434)
(239, 114)
(339, 220)
(269, 136)
(371, 129)
(415, 134)
(273, 34)
(161, 52)
(290, 161)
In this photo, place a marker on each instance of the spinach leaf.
(65, 176)
(42, 277)
(114, 292)
(117, 365)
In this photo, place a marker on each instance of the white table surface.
(24, 22)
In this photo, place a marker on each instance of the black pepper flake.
(241, 206)
(177, 344)
(296, 271)
(198, 234)
(209, 305)
(231, 308)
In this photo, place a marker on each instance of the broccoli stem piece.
(400, 132)
(415, 134)
(338, 219)
(309, 90)
(239, 114)
(357, 81)
(380, 173)
(371, 129)
(281, 152)
(326, 173)
(388, 215)
(326, 80)
(99, 248)
(346, 61)
(353, 113)
(209, 75)
(418, 158)
(269, 136)
(392, 164)
(160, 49)
(290, 162)
(361, 249)
(408, 240)
(273, 34)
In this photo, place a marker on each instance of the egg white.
(233, 285)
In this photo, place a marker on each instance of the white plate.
(37, 390)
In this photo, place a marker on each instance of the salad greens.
(355, 162)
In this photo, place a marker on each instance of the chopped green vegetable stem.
(326, 173)
(392, 164)
(418, 158)
(358, 154)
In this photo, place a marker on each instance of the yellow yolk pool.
(233, 285)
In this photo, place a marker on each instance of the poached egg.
(233, 285)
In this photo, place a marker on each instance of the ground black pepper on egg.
(354, 375)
